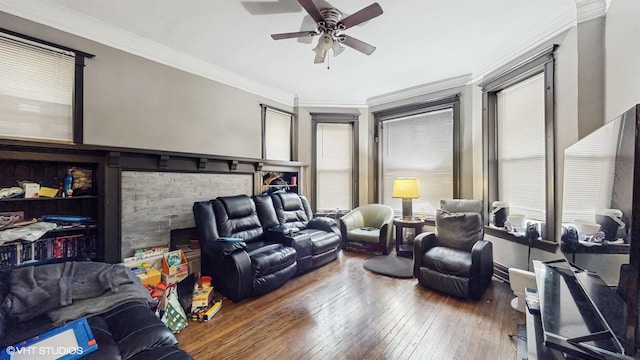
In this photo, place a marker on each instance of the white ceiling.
(418, 41)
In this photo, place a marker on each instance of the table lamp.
(407, 189)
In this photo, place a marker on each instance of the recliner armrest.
(231, 269)
(421, 244)
(220, 249)
(324, 223)
(482, 261)
(481, 251)
(297, 240)
(282, 234)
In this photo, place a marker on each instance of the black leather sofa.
(279, 240)
(129, 331)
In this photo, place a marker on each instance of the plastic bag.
(173, 314)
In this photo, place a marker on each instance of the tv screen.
(598, 209)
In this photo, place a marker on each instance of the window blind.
(277, 135)
(521, 147)
(334, 166)
(589, 173)
(420, 146)
(36, 91)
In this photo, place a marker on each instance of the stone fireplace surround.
(154, 203)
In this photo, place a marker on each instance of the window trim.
(446, 102)
(263, 114)
(542, 61)
(336, 118)
(77, 115)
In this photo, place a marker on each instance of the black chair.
(240, 269)
(455, 260)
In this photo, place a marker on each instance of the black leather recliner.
(279, 241)
(316, 240)
(251, 267)
(455, 260)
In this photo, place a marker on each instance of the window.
(519, 150)
(41, 89)
(420, 141)
(334, 142)
(277, 134)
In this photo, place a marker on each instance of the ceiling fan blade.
(359, 45)
(361, 16)
(307, 23)
(319, 59)
(293, 35)
(312, 10)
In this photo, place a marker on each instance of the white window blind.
(334, 166)
(36, 91)
(277, 135)
(589, 174)
(419, 146)
(521, 147)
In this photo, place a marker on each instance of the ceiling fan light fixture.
(329, 26)
(337, 48)
(325, 42)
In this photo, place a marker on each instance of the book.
(212, 310)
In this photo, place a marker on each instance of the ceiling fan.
(330, 25)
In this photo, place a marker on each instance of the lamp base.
(407, 211)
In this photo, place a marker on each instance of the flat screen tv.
(600, 211)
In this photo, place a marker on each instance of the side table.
(406, 248)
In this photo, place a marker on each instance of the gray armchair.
(455, 260)
(368, 227)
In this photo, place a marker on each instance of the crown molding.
(590, 9)
(64, 19)
(320, 104)
(538, 39)
(420, 90)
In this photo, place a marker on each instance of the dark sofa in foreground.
(127, 328)
(279, 239)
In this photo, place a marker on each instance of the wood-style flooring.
(342, 311)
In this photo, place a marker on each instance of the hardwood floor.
(342, 311)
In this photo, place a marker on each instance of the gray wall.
(622, 58)
(134, 102)
(591, 54)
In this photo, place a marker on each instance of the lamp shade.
(405, 187)
(325, 42)
(337, 48)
